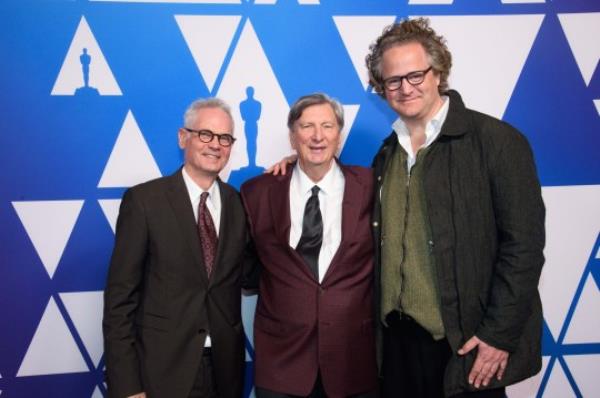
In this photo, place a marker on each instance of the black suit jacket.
(159, 303)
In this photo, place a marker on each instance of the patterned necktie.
(208, 235)
(310, 242)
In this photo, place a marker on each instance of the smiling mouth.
(412, 99)
(212, 155)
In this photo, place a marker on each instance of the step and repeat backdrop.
(92, 94)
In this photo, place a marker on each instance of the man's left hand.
(490, 361)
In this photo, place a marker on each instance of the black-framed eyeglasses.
(413, 78)
(207, 136)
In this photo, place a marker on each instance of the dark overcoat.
(486, 214)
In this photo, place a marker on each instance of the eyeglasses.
(207, 136)
(413, 78)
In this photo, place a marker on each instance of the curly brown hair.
(407, 31)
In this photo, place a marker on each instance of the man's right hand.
(489, 362)
(138, 395)
(281, 167)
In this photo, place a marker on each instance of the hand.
(490, 361)
(138, 395)
(281, 167)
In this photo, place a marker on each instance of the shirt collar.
(195, 191)
(433, 127)
(329, 184)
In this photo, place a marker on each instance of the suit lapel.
(225, 225)
(279, 196)
(182, 207)
(279, 199)
(351, 204)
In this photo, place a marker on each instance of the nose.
(406, 87)
(317, 134)
(214, 143)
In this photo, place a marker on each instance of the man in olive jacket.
(459, 230)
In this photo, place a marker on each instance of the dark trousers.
(414, 363)
(204, 385)
(317, 392)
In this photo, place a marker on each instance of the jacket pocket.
(156, 322)
(269, 325)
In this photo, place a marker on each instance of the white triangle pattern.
(208, 37)
(572, 225)
(52, 349)
(558, 384)
(85, 310)
(584, 369)
(528, 388)
(249, 66)
(131, 161)
(585, 324)
(357, 34)
(350, 112)
(49, 225)
(70, 76)
(97, 393)
(248, 308)
(506, 39)
(580, 29)
(597, 104)
(110, 207)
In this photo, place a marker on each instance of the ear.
(182, 137)
(338, 148)
(292, 137)
(438, 77)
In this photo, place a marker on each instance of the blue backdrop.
(92, 94)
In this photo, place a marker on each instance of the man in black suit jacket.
(172, 324)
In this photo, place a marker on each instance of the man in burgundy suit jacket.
(313, 328)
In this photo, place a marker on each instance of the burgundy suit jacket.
(302, 326)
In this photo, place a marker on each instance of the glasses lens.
(225, 139)
(416, 77)
(393, 83)
(205, 135)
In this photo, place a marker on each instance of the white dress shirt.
(331, 194)
(213, 203)
(432, 130)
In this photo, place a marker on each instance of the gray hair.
(189, 117)
(410, 31)
(315, 99)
